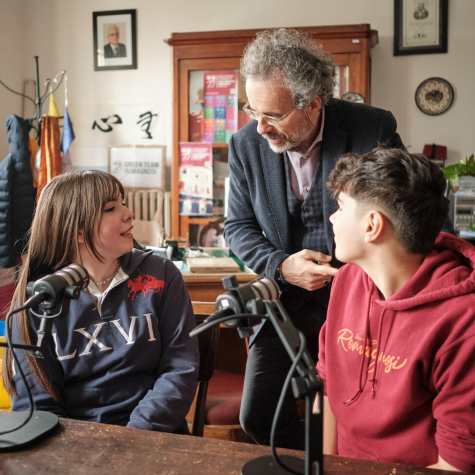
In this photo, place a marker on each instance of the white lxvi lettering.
(61, 358)
(150, 327)
(128, 338)
(93, 338)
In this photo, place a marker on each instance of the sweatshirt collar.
(120, 277)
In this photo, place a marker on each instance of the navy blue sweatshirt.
(131, 363)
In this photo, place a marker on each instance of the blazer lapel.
(333, 146)
(276, 188)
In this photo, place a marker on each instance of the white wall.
(12, 71)
(60, 32)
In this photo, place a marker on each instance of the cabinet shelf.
(220, 145)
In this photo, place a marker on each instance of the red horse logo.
(145, 283)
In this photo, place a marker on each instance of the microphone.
(61, 287)
(241, 302)
(255, 301)
(67, 282)
(237, 298)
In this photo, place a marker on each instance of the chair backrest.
(208, 342)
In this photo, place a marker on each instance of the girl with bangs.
(123, 354)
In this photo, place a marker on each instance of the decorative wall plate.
(353, 97)
(434, 96)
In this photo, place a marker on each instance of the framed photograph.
(420, 27)
(138, 166)
(115, 44)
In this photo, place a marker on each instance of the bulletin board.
(138, 166)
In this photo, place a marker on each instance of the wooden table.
(205, 287)
(88, 448)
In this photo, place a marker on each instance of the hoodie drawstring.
(360, 383)
(373, 379)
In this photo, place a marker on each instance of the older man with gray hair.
(279, 205)
(114, 49)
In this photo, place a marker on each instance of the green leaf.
(465, 167)
(449, 171)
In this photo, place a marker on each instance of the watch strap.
(278, 273)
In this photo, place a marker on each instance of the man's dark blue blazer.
(257, 227)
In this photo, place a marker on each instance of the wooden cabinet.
(350, 46)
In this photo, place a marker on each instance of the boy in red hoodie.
(397, 352)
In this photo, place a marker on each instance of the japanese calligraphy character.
(146, 122)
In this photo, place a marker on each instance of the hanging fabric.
(53, 108)
(33, 146)
(50, 163)
(68, 132)
(17, 194)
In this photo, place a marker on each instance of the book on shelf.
(212, 264)
(195, 179)
(196, 126)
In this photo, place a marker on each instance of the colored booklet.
(195, 178)
(220, 105)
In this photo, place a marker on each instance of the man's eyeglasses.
(275, 121)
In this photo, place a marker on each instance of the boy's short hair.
(407, 188)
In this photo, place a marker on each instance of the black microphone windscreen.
(52, 287)
(265, 288)
(75, 274)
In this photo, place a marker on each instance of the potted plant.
(465, 167)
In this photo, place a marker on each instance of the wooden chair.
(224, 390)
(208, 342)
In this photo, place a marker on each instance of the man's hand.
(308, 269)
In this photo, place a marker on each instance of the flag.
(53, 108)
(68, 132)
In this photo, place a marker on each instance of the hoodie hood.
(132, 260)
(448, 271)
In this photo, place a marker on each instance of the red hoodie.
(420, 346)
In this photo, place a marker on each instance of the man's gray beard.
(292, 144)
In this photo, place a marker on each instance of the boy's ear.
(375, 225)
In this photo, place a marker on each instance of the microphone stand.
(306, 384)
(19, 429)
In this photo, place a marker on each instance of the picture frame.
(138, 166)
(420, 27)
(115, 40)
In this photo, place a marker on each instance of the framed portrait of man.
(420, 27)
(115, 45)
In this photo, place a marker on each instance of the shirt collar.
(315, 143)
